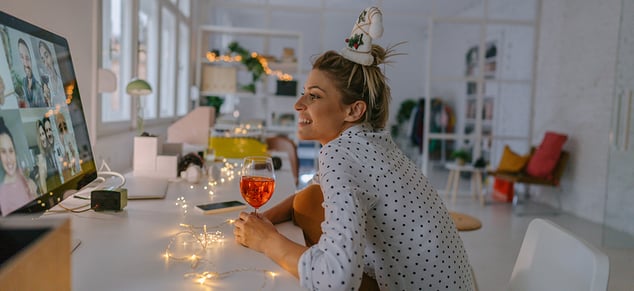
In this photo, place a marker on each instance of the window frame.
(107, 128)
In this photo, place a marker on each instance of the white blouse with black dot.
(382, 217)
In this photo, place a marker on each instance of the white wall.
(575, 81)
(76, 21)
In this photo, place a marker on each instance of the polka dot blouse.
(382, 217)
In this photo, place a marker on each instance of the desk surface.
(126, 250)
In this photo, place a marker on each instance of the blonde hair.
(358, 82)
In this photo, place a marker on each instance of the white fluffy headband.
(368, 26)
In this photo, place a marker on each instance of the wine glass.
(257, 182)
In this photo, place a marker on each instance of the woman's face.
(7, 155)
(47, 59)
(49, 131)
(322, 115)
(42, 134)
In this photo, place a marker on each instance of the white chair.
(552, 258)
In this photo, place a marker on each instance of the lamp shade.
(138, 87)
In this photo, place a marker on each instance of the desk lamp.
(138, 88)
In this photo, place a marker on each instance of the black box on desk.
(286, 88)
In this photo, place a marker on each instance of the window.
(148, 39)
(115, 106)
(148, 50)
(183, 69)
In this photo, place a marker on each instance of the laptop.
(140, 187)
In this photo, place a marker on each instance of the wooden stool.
(465, 222)
(454, 177)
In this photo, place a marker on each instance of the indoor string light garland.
(255, 63)
(202, 238)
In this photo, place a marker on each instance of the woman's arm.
(260, 234)
(281, 212)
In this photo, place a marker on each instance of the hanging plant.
(253, 63)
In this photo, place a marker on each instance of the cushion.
(502, 190)
(545, 158)
(511, 161)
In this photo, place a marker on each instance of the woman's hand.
(253, 231)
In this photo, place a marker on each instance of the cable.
(116, 174)
(73, 209)
(105, 170)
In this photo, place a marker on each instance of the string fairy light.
(213, 57)
(203, 237)
(204, 278)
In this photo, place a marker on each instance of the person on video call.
(30, 85)
(54, 80)
(70, 154)
(46, 159)
(384, 225)
(15, 189)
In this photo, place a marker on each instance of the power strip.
(116, 200)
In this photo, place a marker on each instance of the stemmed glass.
(257, 182)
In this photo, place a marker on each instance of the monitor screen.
(44, 145)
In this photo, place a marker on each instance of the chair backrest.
(285, 144)
(552, 258)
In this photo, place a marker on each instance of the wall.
(82, 32)
(574, 89)
(80, 29)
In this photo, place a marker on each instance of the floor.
(494, 247)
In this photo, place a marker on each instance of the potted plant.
(213, 101)
(253, 63)
(404, 113)
(461, 156)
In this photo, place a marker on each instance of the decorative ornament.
(355, 41)
(368, 26)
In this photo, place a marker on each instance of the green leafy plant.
(214, 101)
(461, 154)
(403, 115)
(252, 63)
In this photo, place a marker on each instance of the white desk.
(125, 250)
(454, 177)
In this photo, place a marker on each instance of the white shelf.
(272, 105)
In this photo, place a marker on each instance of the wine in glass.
(257, 182)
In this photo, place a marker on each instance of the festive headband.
(368, 26)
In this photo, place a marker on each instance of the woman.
(54, 80)
(384, 226)
(15, 189)
(70, 160)
(46, 158)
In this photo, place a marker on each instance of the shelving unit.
(263, 104)
(487, 77)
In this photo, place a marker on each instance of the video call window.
(44, 144)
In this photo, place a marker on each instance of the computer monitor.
(45, 150)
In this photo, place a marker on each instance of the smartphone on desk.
(220, 207)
